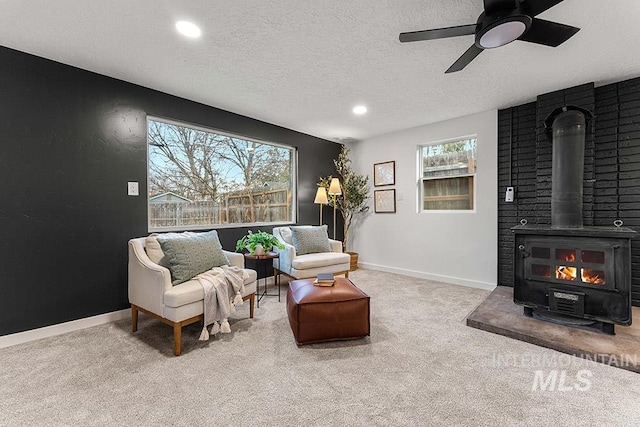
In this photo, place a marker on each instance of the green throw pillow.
(310, 240)
(191, 254)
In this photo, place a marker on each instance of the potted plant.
(354, 197)
(258, 243)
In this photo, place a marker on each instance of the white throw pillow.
(154, 251)
(285, 232)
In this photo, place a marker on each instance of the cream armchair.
(310, 264)
(152, 292)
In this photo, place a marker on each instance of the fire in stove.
(565, 265)
(587, 275)
(569, 272)
(595, 277)
(566, 273)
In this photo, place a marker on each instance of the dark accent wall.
(70, 141)
(611, 171)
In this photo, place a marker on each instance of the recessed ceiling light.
(188, 29)
(359, 110)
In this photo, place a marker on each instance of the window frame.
(202, 128)
(421, 179)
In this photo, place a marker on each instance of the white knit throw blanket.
(217, 283)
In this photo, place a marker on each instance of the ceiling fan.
(502, 22)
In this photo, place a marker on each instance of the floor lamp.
(334, 190)
(321, 199)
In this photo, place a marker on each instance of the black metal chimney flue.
(566, 127)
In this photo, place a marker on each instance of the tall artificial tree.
(355, 191)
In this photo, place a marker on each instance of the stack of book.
(324, 279)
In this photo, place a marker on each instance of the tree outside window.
(199, 178)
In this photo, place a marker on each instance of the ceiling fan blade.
(536, 7)
(465, 59)
(491, 6)
(548, 33)
(438, 33)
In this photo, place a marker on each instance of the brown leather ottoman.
(327, 313)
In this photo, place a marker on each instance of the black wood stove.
(567, 272)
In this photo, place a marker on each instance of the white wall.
(454, 247)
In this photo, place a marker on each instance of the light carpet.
(421, 366)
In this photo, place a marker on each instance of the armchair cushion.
(310, 240)
(191, 291)
(190, 255)
(318, 260)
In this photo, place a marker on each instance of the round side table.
(264, 259)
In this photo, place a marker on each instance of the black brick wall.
(611, 165)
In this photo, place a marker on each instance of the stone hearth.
(498, 314)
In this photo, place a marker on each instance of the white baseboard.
(437, 277)
(63, 328)
(75, 325)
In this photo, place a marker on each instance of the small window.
(201, 178)
(448, 175)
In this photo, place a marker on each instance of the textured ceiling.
(305, 64)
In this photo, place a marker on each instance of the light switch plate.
(132, 188)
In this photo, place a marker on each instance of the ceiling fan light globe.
(502, 34)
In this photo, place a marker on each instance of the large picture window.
(201, 178)
(448, 172)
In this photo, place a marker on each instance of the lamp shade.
(334, 187)
(321, 196)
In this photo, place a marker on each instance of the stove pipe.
(566, 127)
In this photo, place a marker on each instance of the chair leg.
(177, 338)
(252, 303)
(177, 326)
(346, 274)
(134, 318)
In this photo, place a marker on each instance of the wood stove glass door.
(568, 261)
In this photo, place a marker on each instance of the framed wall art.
(384, 201)
(384, 173)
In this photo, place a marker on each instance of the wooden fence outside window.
(240, 207)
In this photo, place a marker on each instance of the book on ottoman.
(324, 279)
